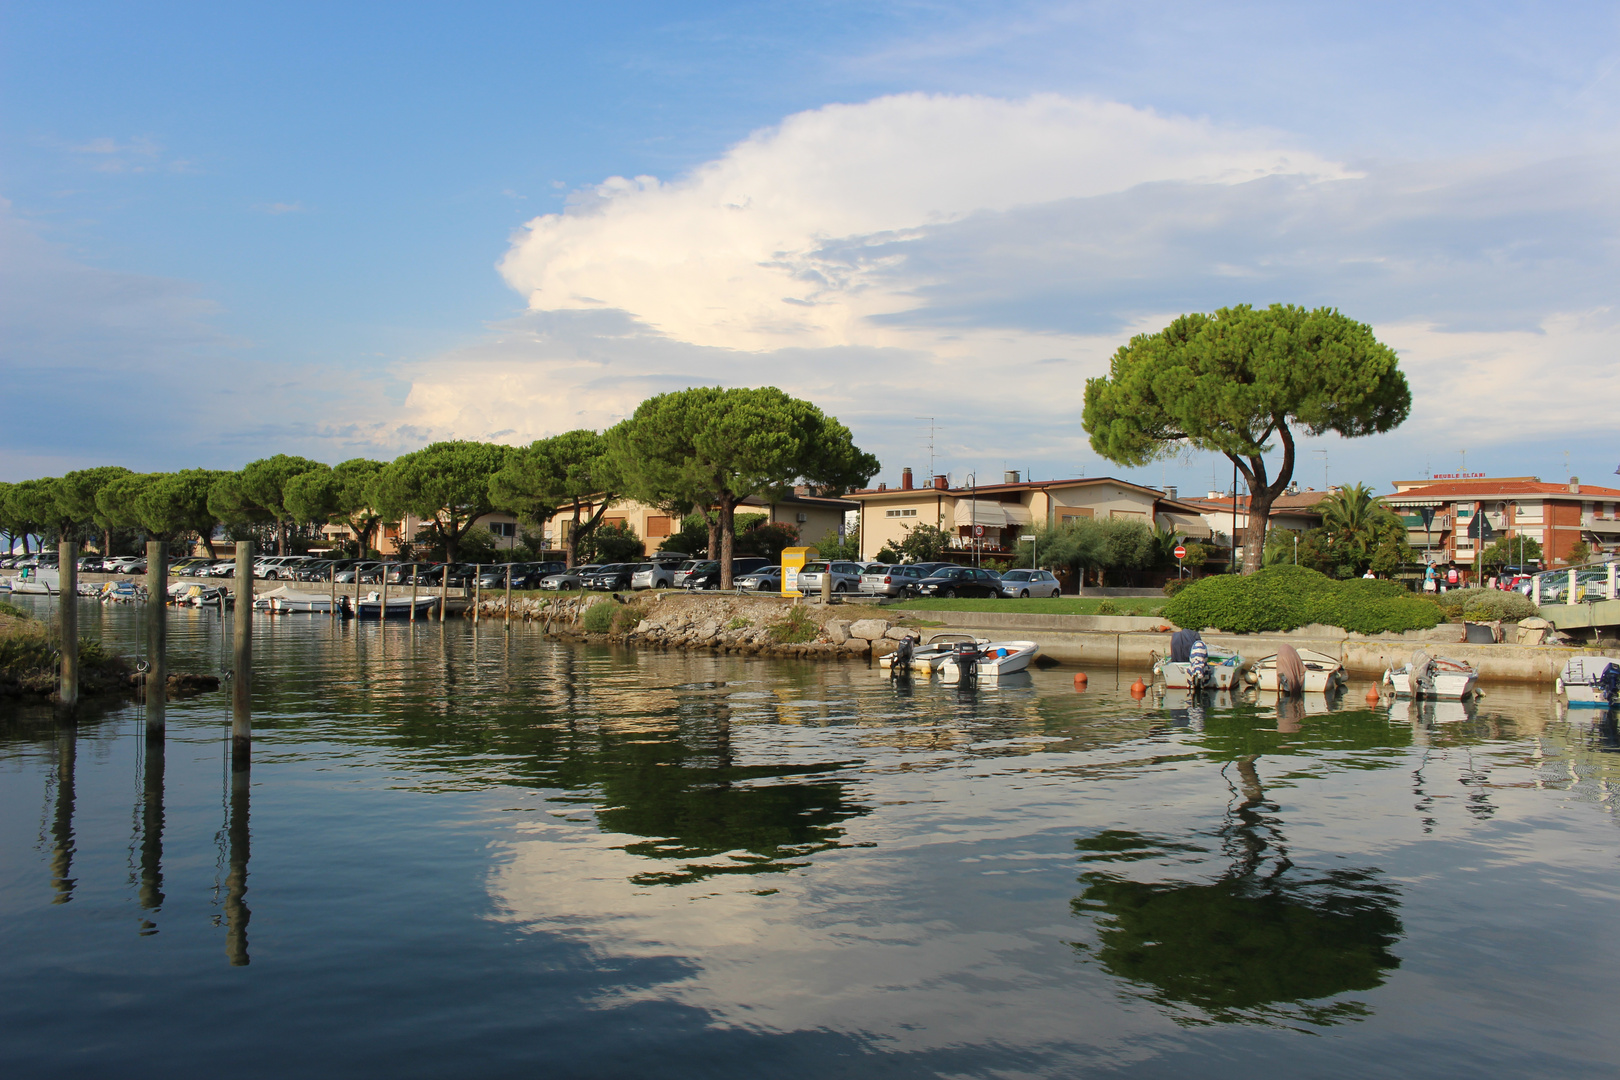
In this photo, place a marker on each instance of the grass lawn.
(1062, 605)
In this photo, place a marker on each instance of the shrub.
(13, 610)
(1485, 605)
(626, 618)
(1107, 607)
(741, 622)
(1288, 597)
(796, 629)
(598, 618)
(1176, 584)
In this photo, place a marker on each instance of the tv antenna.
(930, 420)
(1325, 485)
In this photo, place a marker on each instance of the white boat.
(122, 592)
(1589, 683)
(1225, 669)
(1428, 676)
(286, 601)
(926, 660)
(33, 582)
(1323, 673)
(399, 607)
(990, 660)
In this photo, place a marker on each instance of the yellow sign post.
(793, 560)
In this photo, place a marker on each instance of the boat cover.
(1181, 643)
(1290, 670)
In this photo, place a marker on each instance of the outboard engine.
(1199, 675)
(966, 655)
(1609, 683)
(900, 666)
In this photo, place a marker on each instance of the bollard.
(1569, 596)
(826, 585)
(1611, 583)
(157, 659)
(1535, 590)
(242, 657)
(68, 606)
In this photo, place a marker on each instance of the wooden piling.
(157, 637)
(242, 657)
(382, 595)
(509, 594)
(68, 608)
(416, 572)
(444, 591)
(478, 587)
(332, 574)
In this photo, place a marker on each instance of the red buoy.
(1138, 688)
(1372, 694)
(1080, 681)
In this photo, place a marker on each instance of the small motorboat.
(991, 660)
(31, 582)
(926, 659)
(1426, 676)
(122, 592)
(1590, 682)
(285, 601)
(398, 607)
(1323, 673)
(1193, 665)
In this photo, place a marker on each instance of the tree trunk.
(208, 542)
(714, 532)
(1254, 536)
(106, 542)
(571, 541)
(724, 519)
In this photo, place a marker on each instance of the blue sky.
(349, 229)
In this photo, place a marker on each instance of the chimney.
(905, 479)
(939, 483)
(1010, 476)
(1170, 492)
(883, 487)
(1216, 495)
(1574, 485)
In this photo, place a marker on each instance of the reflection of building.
(991, 517)
(1554, 515)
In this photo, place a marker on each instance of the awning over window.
(1189, 525)
(992, 514)
(1602, 528)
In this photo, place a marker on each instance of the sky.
(228, 231)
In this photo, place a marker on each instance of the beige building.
(812, 516)
(991, 517)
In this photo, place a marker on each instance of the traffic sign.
(978, 530)
(1181, 552)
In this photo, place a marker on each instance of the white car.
(1029, 583)
(651, 575)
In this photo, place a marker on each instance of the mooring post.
(416, 572)
(242, 658)
(68, 606)
(382, 595)
(157, 640)
(478, 587)
(332, 573)
(444, 590)
(509, 594)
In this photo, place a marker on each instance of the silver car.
(568, 579)
(887, 580)
(846, 577)
(651, 575)
(767, 579)
(1029, 583)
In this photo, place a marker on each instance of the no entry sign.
(1181, 552)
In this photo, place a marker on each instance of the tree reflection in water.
(1265, 942)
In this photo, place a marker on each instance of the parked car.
(400, 573)
(280, 567)
(223, 568)
(684, 569)
(765, 579)
(534, 574)
(652, 575)
(889, 580)
(956, 581)
(568, 579)
(846, 577)
(118, 564)
(706, 575)
(348, 575)
(1030, 583)
(611, 577)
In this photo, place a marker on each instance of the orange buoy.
(1080, 680)
(1372, 695)
(1138, 688)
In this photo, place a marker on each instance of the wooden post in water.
(416, 572)
(382, 595)
(157, 637)
(333, 574)
(68, 606)
(242, 657)
(444, 590)
(478, 585)
(508, 594)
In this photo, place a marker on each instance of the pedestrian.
(1452, 578)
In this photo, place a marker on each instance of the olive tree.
(447, 483)
(1239, 382)
(708, 446)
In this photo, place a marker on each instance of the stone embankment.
(747, 625)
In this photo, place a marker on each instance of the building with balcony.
(1438, 514)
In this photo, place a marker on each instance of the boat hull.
(397, 609)
(1225, 672)
(997, 659)
(1323, 673)
(1448, 686)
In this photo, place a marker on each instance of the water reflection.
(238, 837)
(149, 892)
(67, 743)
(1267, 941)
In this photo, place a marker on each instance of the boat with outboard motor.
(1426, 676)
(1590, 682)
(926, 659)
(1316, 673)
(398, 607)
(1193, 665)
(991, 660)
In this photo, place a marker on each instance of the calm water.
(472, 853)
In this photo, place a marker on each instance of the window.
(658, 524)
(899, 513)
(503, 528)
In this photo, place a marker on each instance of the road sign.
(1027, 538)
(978, 530)
(1480, 528)
(1181, 552)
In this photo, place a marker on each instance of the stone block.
(868, 629)
(837, 631)
(900, 633)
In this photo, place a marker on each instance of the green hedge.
(1485, 605)
(1288, 597)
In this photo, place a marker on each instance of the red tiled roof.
(1483, 490)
